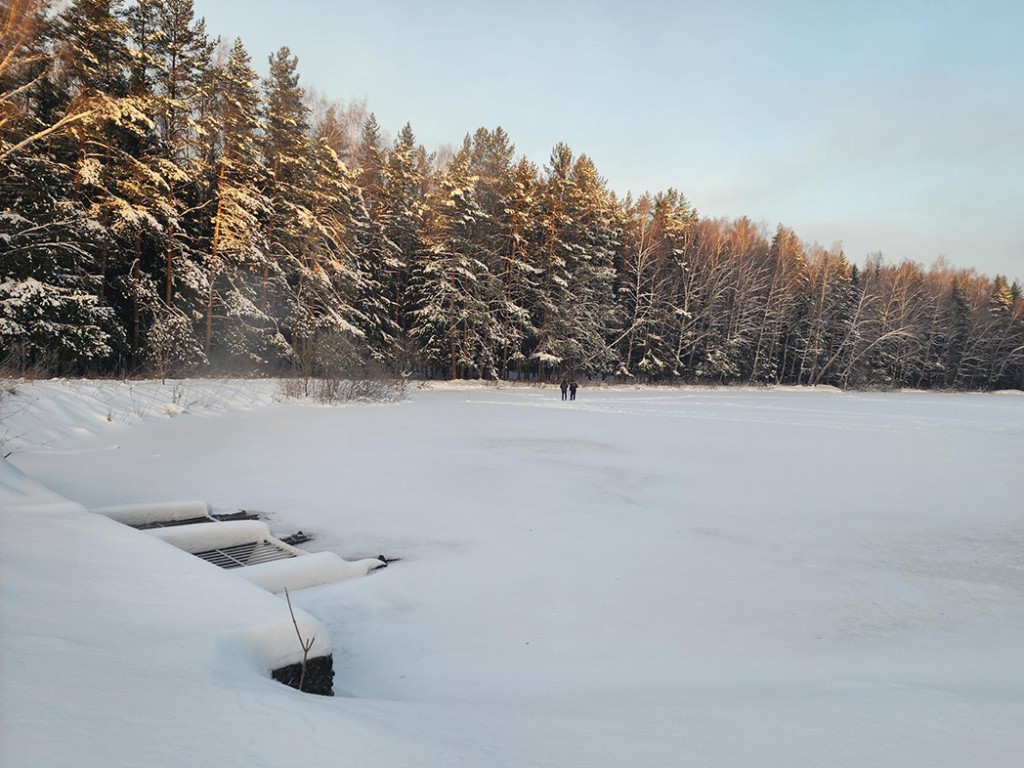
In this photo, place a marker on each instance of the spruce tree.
(379, 257)
(556, 263)
(451, 323)
(51, 316)
(578, 243)
(403, 226)
(505, 192)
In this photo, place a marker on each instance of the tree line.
(166, 210)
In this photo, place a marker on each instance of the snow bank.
(18, 492)
(41, 414)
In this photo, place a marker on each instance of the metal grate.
(227, 517)
(241, 515)
(241, 555)
(172, 523)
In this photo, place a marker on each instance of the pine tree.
(318, 237)
(284, 283)
(237, 257)
(98, 129)
(1001, 299)
(24, 64)
(178, 60)
(332, 264)
(50, 314)
(120, 182)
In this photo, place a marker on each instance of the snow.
(664, 576)
(202, 537)
(109, 634)
(47, 412)
(160, 512)
(308, 571)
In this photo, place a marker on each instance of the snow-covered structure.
(245, 547)
(110, 585)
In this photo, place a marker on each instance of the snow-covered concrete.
(311, 570)
(160, 512)
(201, 537)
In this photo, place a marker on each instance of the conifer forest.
(166, 211)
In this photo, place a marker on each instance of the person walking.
(563, 386)
(572, 390)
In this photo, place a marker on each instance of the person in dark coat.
(572, 389)
(563, 386)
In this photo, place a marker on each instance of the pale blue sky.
(887, 126)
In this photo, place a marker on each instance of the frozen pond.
(675, 577)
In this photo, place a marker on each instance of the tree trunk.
(136, 276)
(170, 251)
(213, 260)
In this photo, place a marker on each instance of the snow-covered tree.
(405, 192)
(237, 258)
(506, 192)
(379, 257)
(578, 241)
(451, 321)
(160, 208)
(326, 324)
(50, 312)
(654, 252)
(173, 62)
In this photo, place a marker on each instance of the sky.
(882, 126)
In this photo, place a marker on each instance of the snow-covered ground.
(644, 576)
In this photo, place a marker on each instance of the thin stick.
(306, 644)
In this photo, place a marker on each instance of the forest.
(167, 211)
